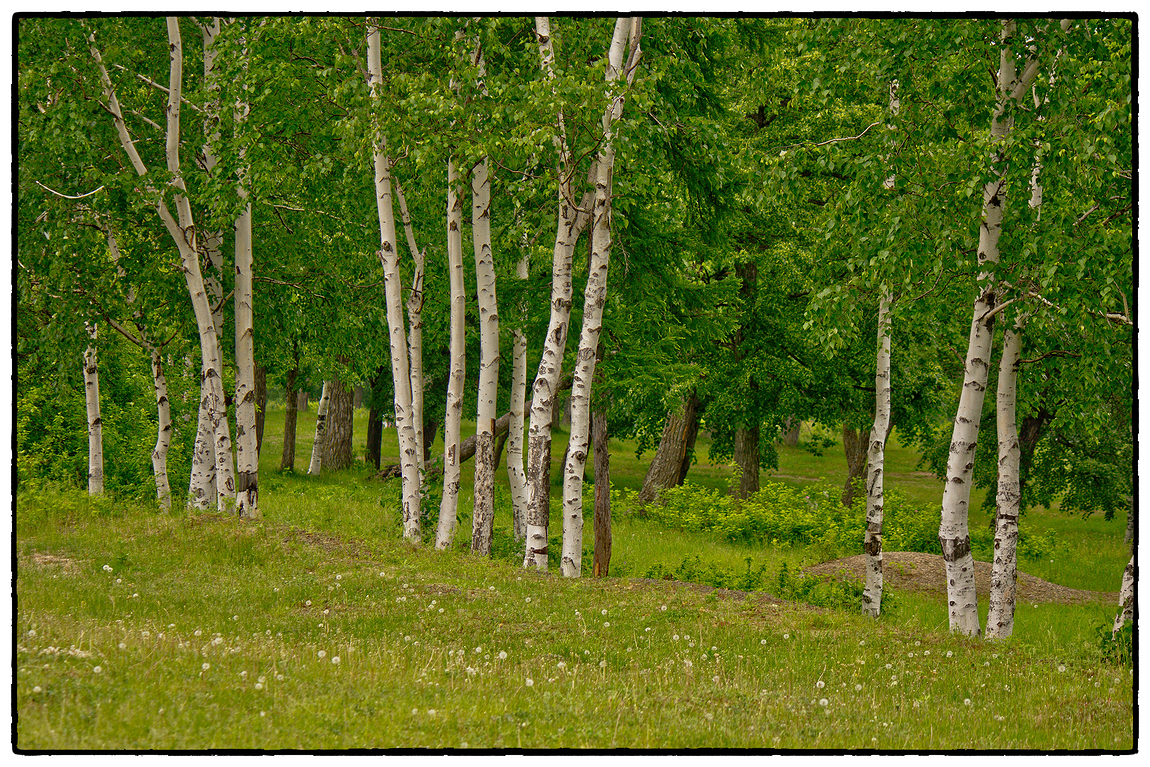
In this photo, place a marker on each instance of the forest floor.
(926, 573)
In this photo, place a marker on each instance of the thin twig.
(157, 86)
(69, 196)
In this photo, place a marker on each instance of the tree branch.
(69, 196)
(159, 87)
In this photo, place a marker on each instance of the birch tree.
(627, 31)
(448, 506)
(316, 464)
(572, 219)
(484, 499)
(95, 423)
(872, 542)
(389, 258)
(182, 230)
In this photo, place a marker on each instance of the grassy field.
(320, 628)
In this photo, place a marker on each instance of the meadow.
(318, 627)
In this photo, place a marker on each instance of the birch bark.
(415, 336)
(571, 221)
(163, 433)
(393, 291)
(1004, 571)
(1125, 598)
(449, 503)
(316, 464)
(954, 533)
(484, 493)
(516, 476)
(247, 452)
(872, 541)
(95, 423)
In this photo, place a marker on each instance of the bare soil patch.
(927, 573)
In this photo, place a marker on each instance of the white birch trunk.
(516, 476)
(95, 423)
(415, 336)
(483, 515)
(1004, 571)
(448, 506)
(1125, 599)
(571, 221)
(163, 433)
(876, 454)
(594, 299)
(954, 533)
(393, 291)
(316, 464)
(247, 451)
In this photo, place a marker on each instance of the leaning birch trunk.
(571, 221)
(594, 299)
(1004, 571)
(393, 292)
(452, 461)
(1125, 599)
(163, 433)
(415, 336)
(316, 464)
(181, 228)
(872, 541)
(953, 531)
(95, 424)
(516, 477)
(483, 516)
(247, 452)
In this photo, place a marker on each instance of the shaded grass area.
(210, 633)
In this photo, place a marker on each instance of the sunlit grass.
(211, 633)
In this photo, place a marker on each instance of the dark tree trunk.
(336, 445)
(692, 436)
(601, 563)
(667, 465)
(261, 388)
(374, 448)
(747, 459)
(855, 442)
(302, 400)
(500, 441)
(1029, 433)
(287, 462)
(430, 426)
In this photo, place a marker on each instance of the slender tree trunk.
(594, 299)
(247, 444)
(261, 384)
(415, 336)
(202, 489)
(316, 464)
(453, 415)
(483, 516)
(875, 462)
(601, 561)
(855, 448)
(163, 433)
(1125, 599)
(291, 415)
(571, 221)
(337, 436)
(1004, 572)
(791, 435)
(689, 440)
(393, 290)
(667, 465)
(95, 423)
(516, 475)
(954, 533)
(747, 459)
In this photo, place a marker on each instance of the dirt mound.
(926, 572)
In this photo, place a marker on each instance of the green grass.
(208, 634)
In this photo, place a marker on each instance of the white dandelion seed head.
(675, 637)
(107, 568)
(122, 645)
(335, 660)
(606, 624)
(307, 603)
(820, 684)
(322, 653)
(528, 599)
(858, 688)
(603, 663)
(206, 666)
(603, 611)
(786, 636)
(966, 701)
(36, 689)
(1061, 668)
(259, 685)
(823, 701)
(663, 608)
(949, 654)
(96, 670)
(502, 655)
(530, 682)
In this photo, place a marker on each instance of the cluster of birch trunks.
(584, 198)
